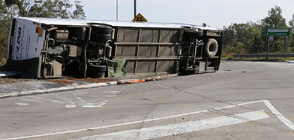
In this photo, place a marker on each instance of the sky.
(216, 13)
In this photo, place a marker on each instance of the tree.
(79, 12)
(4, 24)
(274, 19)
(291, 22)
(41, 8)
(243, 38)
(291, 44)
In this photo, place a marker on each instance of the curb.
(85, 86)
(131, 81)
(39, 91)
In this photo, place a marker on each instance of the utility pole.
(116, 10)
(135, 8)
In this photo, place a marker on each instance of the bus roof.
(86, 22)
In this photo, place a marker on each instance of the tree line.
(34, 8)
(250, 37)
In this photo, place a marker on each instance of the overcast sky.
(216, 13)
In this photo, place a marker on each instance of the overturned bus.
(48, 48)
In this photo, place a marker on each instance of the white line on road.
(22, 104)
(180, 128)
(266, 102)
(92, 105)
(279, 115)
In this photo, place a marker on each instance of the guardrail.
(265, 55)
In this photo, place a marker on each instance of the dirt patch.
(61, 81)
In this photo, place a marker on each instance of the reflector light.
(37, 29)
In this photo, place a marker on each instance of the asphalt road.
(244, 100)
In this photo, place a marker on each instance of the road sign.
(271, 38)
(139, 18)
(277, 32)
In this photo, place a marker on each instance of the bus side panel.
(148, 50)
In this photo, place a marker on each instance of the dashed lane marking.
(69, 103)
(92, 105)
(162, 86)
(70, 106)
(23, 104)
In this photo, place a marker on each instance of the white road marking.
(180, 128)
(22, 104)
(56, 101)
(90, 105)
(279, 115)
(38, 99)
(82, 101)
(266, 102)
(106, 94)
(70, 106)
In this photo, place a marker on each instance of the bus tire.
(211, 48)
(101, 29)
(101, 37)
(96, 71)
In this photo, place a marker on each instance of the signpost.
(277, 32)
(116, 10)
(135, 8)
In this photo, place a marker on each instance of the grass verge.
(229, 56)
(13, 80)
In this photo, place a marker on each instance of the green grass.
(229, 56)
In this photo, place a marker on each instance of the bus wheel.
(211, 48)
